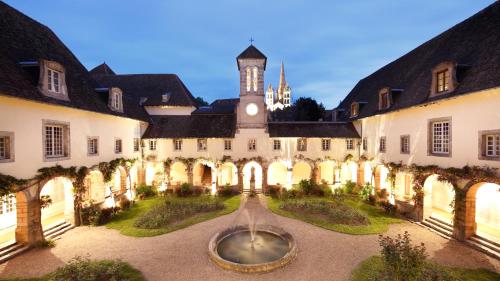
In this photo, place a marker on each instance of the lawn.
(81, 269)
(379, 221)
(371, 268)
(125, 221)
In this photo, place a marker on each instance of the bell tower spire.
(282, 85)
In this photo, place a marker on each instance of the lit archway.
(348, 172)
(227, 174)
(438, 198)
(252, 176)
(154, 174)
(483, 211)
(95, 189)
(59, 191)
(277, 174)
(178, 174)
(301, 171)
(204, 174)
(8, 218)
(327, 172)
(403, 187)
(381, 180)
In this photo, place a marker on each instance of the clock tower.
(251, 112)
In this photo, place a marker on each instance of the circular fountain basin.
(233, 249)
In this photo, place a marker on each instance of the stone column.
(190, 174)
(361, 174)
(240, 179)
(29, 217)
(315, 174)
(264, 178)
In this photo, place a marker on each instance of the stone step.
(442, 224)
(10, 252)
(485, 245)
(437, 228)
(55, 233)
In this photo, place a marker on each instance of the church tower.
(251, 112)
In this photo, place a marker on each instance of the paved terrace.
(182, 255)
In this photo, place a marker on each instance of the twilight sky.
(327, 46)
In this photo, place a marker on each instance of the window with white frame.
(365, 144)
(56, 140)
(252, 145)
(228, 145)
(276, 144)
(489, 142)
(302, 144)
(325, 144)
(118, 146)
(177, 144)
(249, 78)
(202, 144)
(53, 80)
(152, 145)
(382, 144)
(6, 146)
(443, 80)
(349, 144)
(7, 204)
(137, 143)
(440, 137)
(255, 78)
(405, 144)
(92, 146)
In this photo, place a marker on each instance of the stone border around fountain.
(252, 268)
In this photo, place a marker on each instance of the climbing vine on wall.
(8, 183)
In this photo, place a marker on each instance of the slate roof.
(102, 69)
(220, 106)
(251, 53)
(312, 129)
(473, 44)
(26, 40)
(192, 126)
(152, 87)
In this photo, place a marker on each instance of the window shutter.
(483, 145)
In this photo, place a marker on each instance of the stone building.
(280, 98)
(436, 105)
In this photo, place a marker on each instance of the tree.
(201, 101)
(303, 109)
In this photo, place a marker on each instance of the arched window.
(249, 78)
(254, 81)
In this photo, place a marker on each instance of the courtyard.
(182, 254)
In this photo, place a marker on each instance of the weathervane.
(251, 41)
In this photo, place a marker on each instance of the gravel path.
(182, 254)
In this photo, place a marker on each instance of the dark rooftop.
(472, 44)
(192, 126)
(26, 40)
(312, 130)
(251, 53)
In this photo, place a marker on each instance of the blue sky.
(327, 46)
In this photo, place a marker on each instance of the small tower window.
(249, 78)
(255, 79)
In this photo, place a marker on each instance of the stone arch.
(438, 196)
(364, 173)
(301, 170)
(204, 173)
(227, 174)
(278, 173)
(326, 170)
(29, 225)
(154, 173)
(178, 173)
(60, 191)
(403, 186)
(482, 210)
(381, 178)
(252, 173)
(348, 172)
(8, 217)
(95, 189)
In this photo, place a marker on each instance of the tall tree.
(201, 101)
(303, 109)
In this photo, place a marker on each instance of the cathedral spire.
(282, 84)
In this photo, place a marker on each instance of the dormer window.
(354, 109)
(165, 97)
(115, 99)
(52, 81)
(384, 101)
(443, 79)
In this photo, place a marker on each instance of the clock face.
(252, 109)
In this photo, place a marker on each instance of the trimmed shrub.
(145, 191)
(226, 191)
(389, 208)
(350, 187)
(86, 270)
(274, 191)
(402, 260)
(333, 212)
(184, 190)
(172, 210)
(366, 191)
